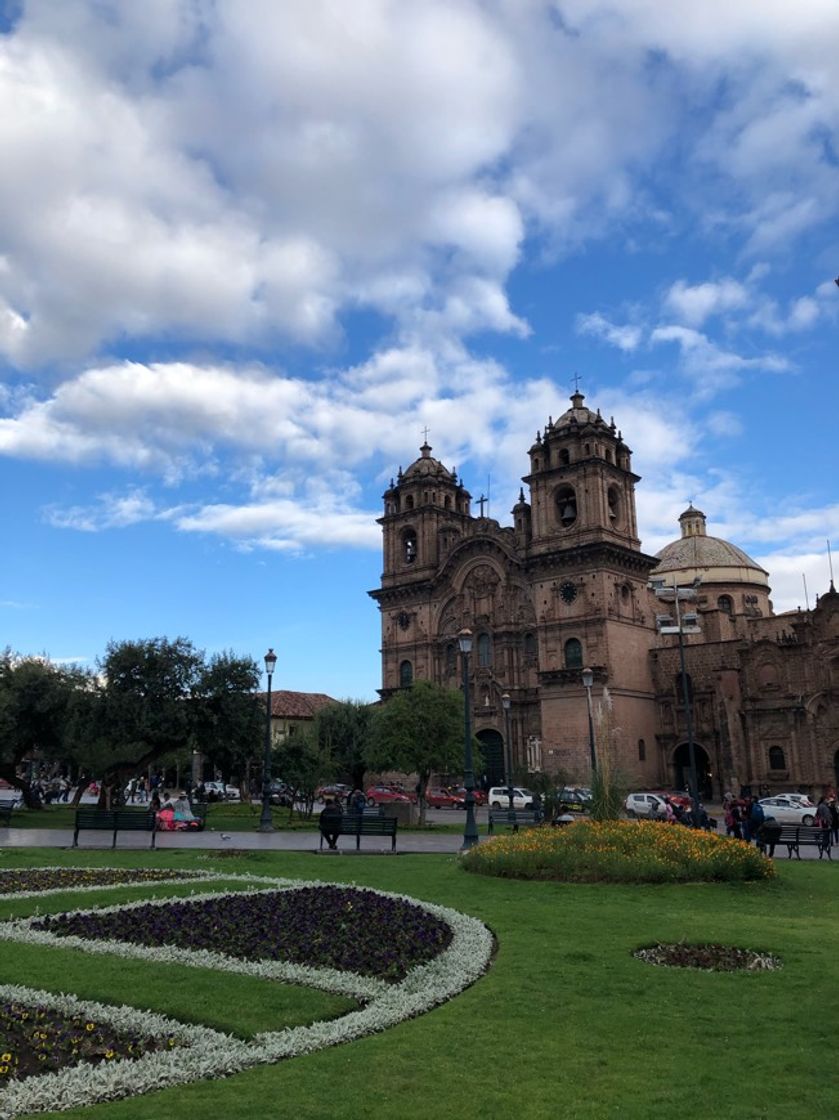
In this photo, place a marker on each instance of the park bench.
(366, 824)
(796, 837)
(514, 818)
(114, 820)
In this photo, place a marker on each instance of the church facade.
(568, 586)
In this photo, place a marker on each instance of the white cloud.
(694, 304)
(626, 337)
(711, 367)
(245, 173)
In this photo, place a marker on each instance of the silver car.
(644, 805)
(787, 812)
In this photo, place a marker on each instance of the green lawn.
(565, 1024)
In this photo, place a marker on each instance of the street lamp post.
(470, 831)
(684, 623)
(508, 753)
(266, 822)
(588, 681)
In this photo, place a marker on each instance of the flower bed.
(709, 958)
(440, 975)
(618, 852)
(40, 1039)
(23, 882)
(322, 927)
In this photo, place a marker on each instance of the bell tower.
(425, 512)
(581, 483)
(426, 516)
(588, 580)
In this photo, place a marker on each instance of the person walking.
(834, 820)
(754, 821)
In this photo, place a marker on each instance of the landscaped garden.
(618, 851)
(400, 1006)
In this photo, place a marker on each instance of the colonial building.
(567, 586)
(291, 711)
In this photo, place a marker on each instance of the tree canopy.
(36, 698)
(343, 730)
(152, 698)
(419, 729)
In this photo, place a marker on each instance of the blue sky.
(249, 251)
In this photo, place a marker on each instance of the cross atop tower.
(576, 380)
(425, 432)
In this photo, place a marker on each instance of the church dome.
(578, 414)
(427, 467)
(711, 558)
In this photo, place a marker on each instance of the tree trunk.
(30, 799)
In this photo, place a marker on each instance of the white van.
(499, 798)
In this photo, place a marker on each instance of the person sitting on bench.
(330, 823)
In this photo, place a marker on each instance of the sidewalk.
(406, 842)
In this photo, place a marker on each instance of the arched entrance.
(681, 769)
(489, 769)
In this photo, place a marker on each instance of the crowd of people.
(746, 819)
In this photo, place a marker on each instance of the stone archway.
(489, 771)
(681, 769)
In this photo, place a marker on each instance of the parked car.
(385, 795)
(499, 797)
(785, 812)
(574, 799)
(644, 804)
(338, 791)
(220, 791)
(676, 797)
(460, 797)
(437, 798)
(280, 793)
(795, 799)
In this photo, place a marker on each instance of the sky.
(250, 251)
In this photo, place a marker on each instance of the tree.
(343, 730)
(418, 730)
(35, 697)
(304, 764)
(143, 710)
(229, 723)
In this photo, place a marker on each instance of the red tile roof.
(297, 705)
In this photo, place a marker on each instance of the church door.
(681, 769)
(489, 770)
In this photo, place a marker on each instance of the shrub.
(618, 852)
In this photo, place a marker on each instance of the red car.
(385, 795)
(675, 798)
(460, 797)
(436, 798)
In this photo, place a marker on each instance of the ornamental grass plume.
(606, 793)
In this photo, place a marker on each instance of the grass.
(566, 1022)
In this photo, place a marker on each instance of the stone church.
(567, 587)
